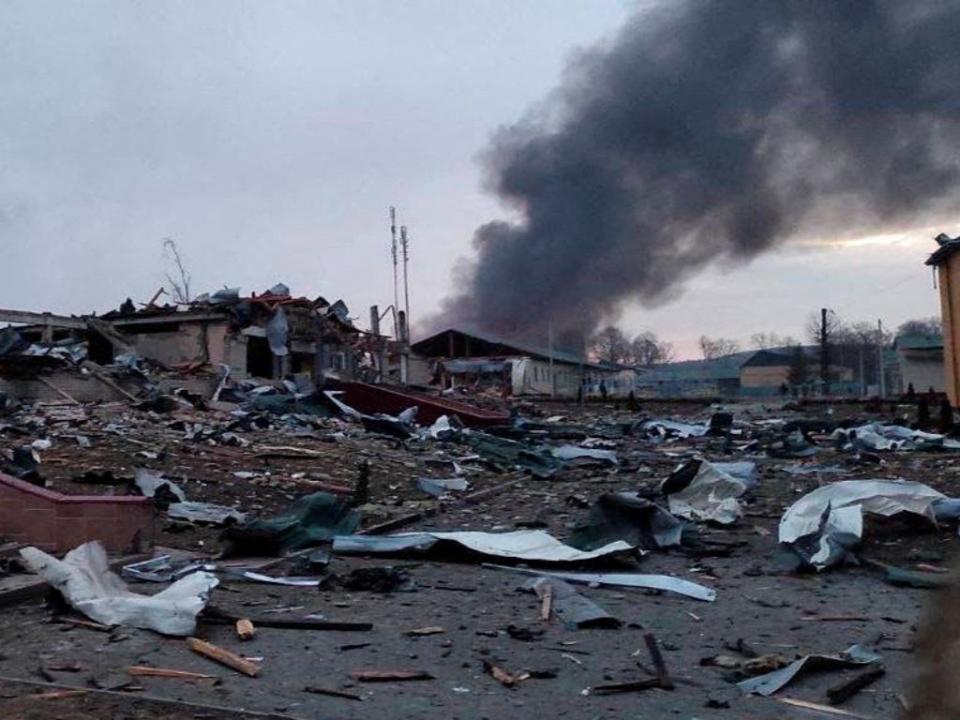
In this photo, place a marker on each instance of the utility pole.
(406, 258)
(824, 351)
(393, 252)
(863, 379)
(880, 369)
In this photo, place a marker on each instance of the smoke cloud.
(713, 131)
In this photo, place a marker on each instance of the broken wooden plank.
(826, 709)
(56, 695)
(332, 693)
(146, 671)
(89, 624)
(224, 657)
(499, 674)
(660, 666)
(546, 603)
(390, 675)
(245, 629)
(843, 691)
(420, 632)
(635, 686)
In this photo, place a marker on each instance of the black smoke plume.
(713, 131)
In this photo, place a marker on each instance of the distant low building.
(920, 361)
(694, 378)
(458, 358)
(753, 373)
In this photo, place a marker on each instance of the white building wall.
(924, 374)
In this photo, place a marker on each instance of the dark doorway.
(259, 358)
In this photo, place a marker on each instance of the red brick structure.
(57, 523)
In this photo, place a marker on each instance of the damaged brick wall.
(83, 388)
(57, 523)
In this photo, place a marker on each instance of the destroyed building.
(459, 358)
(265, 336)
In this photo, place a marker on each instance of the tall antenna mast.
(406, 259)
(393, 252)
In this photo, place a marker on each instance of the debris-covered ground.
(470, 639)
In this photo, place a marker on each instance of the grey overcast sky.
(269, 138)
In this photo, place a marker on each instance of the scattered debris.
(772, 682)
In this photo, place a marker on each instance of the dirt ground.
(759, 603)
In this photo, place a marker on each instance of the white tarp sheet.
(90, 587)
(877, 436)
(529, 545)
(835, 513)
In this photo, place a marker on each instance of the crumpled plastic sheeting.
(528, 545)
(676, 429)
(443, 428)
(574, 452)
(825, 523)
(90, 587)
(627, 516)
(712, 495)
(771, 682)
(202, 512)
(278, 331)
(311, 520)
(334, 397)
(150, 483)
(877, 436)
(436, 487)
(510, 453)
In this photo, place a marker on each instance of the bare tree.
(834, 327)
(610, 345)
(647, 350)
(179, 285)
(927, 327)
(766, 340)
(713, 348)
